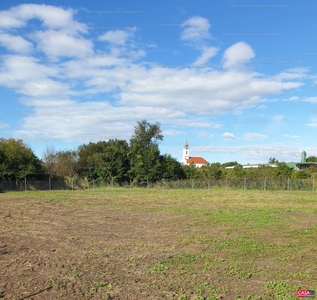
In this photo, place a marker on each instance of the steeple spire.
(186, 144)
(185, 152)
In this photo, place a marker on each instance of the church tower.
(185, 153)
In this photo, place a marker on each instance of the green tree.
(272, 160)
(236, 172)
(190, 171)
(18, 161)
(264, 172)
(281, 171)
(212, 171)
(145, 162)
(301, 174)
(90, 159)
(62, 164)
(105, 160)
(171, 168)
(115, 161)
(67, 164)
(311, 159)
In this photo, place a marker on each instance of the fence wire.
(286, 184)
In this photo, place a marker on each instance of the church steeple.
(185, 152)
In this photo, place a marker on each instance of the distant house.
(196, 160)
(303, 164)
(247, 166)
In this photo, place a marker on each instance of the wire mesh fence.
(264, 184)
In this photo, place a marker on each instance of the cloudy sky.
(237, 79)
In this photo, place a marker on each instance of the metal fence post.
(265, 184)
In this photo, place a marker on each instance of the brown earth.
(90, 247)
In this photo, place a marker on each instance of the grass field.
(147, 244)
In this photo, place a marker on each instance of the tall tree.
(17, 160)
(144, 152)
(67, 164)
(105, 160)
(272, 160)
(90, 158)
(50, 160)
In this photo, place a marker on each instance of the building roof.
(291, 164)
(245, 166)
(197, 160)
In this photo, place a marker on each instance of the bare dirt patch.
(110, 245)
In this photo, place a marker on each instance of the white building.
(196, 160)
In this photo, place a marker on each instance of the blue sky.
(237, 79)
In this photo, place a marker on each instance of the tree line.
(138, 161)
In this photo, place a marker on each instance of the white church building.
(196, 160)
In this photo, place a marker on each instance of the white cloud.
(294, 73)
(294, 98)
(204, 134)
(52, 17)
(310, 99)
(77, 69)
(116, 37)
(15, 43)
(72, 121)
(254, 136)
(196, 29)
(173, 132)
(18, 72)
(207, 53)
(55, 43)
(9, 20)
(237, 55)
(229, 136)
(258, 153)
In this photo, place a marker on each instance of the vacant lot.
(146, 244)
